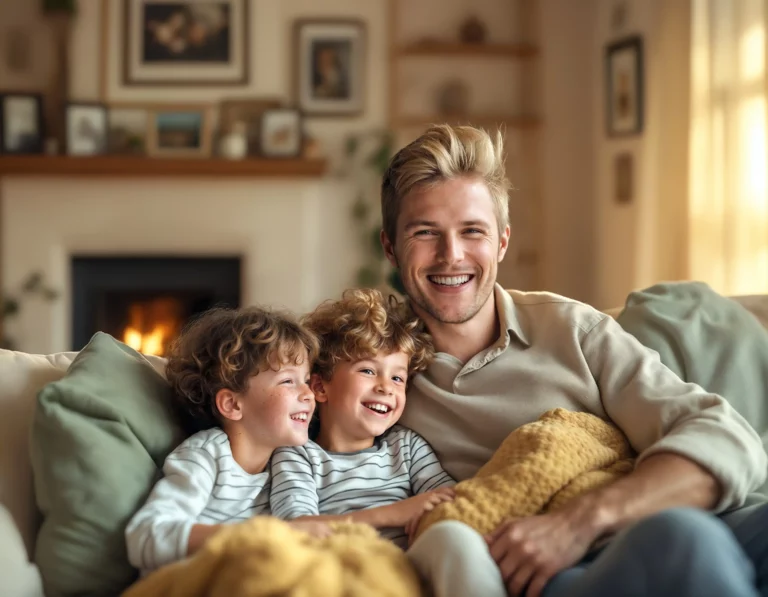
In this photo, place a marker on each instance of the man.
(504, 358)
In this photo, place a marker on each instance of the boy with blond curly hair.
(241, 380)
(363, 466)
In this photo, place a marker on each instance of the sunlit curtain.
(728, 203)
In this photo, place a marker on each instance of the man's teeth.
(299, 417)
(381, 408)
(450, 280)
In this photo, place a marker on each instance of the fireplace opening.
(146, 301)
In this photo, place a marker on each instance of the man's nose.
(451, 249)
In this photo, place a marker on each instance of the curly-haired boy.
(241, 379)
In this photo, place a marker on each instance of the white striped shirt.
(201, 484)
(307, 480)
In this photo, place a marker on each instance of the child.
(241, 378)
(364, 467)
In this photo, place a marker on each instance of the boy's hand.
(444, 494)
(312, 527)
(416, 506)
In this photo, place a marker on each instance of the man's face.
(448, 249)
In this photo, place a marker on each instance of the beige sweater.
(558, 353)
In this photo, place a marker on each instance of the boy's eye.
(367, 371)
(286, 381)
(398, 379)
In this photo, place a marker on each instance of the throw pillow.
(99, 438)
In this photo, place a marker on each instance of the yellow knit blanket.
(539, 467)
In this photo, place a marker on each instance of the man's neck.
(251, 457)
(465, 340)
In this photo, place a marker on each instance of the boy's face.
(364, 398)
(278, 405)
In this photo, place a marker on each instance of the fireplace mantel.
(137, 166)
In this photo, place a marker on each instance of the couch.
(21, 378)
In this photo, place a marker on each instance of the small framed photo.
(624, 87)
(185, 42)
(330, 67)
(127, 130)
(86, 128)
(248, 112)
(21, 123)
(281, 134)
(182, 131)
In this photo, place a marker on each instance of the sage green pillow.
(100, 436)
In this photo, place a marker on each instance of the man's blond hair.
(443, 153)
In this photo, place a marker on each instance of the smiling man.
(506, 357)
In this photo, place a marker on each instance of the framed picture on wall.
(87, 128)
(281, 133)
(330, 67)
(624, 87)
(185, 42)
(21, 123)
(179, 131)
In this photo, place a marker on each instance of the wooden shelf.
(440, 48)
(509, 121)
(133, 166)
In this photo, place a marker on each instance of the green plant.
(367, 160)
(10, 305)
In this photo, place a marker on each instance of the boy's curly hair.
(223, 349)
(363, 323)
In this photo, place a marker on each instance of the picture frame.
(249, 111)
(22, 129)
(624, 87)
(281, 133)
(330, 58)
(185, 43)
(127, 129)
(86, 128)
(179, 131)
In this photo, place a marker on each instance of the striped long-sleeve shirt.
(201, 484)
(307, 480)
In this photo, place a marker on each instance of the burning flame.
(153, 324)
(152, 343)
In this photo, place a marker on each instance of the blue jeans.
(678, 553)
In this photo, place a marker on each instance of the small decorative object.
(473, 31)
(623, 167)
(185, 42)
(330, 67)
(453, 99)
(10, 305)
(624, 87)
(281, 134)
(248, 111)
(183, 131)
(87, 129)
(234, 145)
(127, 130)
(21, 123)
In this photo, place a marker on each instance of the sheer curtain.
(728, 194)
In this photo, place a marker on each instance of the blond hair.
(362, 324)
(442, 153)
(223, 349)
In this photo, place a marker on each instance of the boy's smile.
(361, 401)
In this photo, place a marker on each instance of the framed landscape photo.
(330, 67)
(179, 131)
(624, 87)
(185, 42)
(249, 112)
(281, 133)
(87, 128)
(21, 123)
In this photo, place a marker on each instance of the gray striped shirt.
(307, 480)
(201, 484)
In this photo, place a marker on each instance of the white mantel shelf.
(137, 166)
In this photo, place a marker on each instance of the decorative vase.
(234, 146)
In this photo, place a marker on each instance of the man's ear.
(504, 242)
(317, 385)
(228, 405)
(389, 248)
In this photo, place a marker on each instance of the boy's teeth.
(299, 417)
(450, 280)
(378, 407)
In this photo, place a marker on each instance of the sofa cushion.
(99, 438)
(706, 339)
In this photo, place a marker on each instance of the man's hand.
(531, 550)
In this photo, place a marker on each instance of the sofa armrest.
(20, 578)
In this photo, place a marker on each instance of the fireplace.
(145, 301)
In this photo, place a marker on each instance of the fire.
(153, 324)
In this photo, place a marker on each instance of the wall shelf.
(456, 49)
(137, 166)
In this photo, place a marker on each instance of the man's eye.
(424, 233)
(474, 231)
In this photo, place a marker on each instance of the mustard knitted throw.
(539, 467)
(265, 557)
